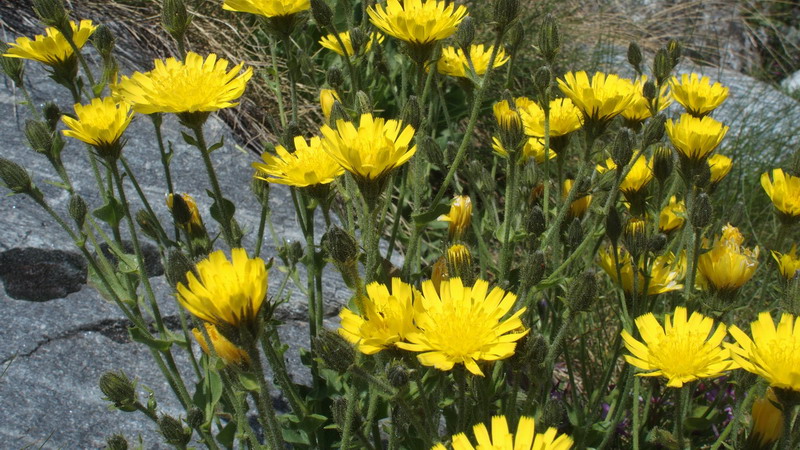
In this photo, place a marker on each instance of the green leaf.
(217, 145)
(139, 335)
(110, 213)
(230, 208)
(429, 216)
(227, 435)
(127, 263)
(249, 382)
(207, 393)
(189, 140)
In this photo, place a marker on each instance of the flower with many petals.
(387, 317)
(666, 272)
(52, 48)
(224, 348)
(639, 110)
(720, 166)
(696, 94)
(329, 41)
(225, 292)
(640, 175)
(501, 438)
(772, 352)
(453, 61)
(464, 325)
(683, 350)
(327, 97)
(418, 22)
(672, 216)
(533, 149)
(694, 138)
(768, 420)
(308, 165)
(727, 265)
(100, 124)
(602, 98)
(459, 217)
(582, 201)
(267, 8)
(788, 263)
(565, 118)
(784, 191)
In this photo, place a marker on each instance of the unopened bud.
(39, 135)
(119, 389)
(358, 39)
(663, 162)
(335, 77)
(554, 413)
(338, 113)
(103, 41)
(541, 79)
(340, 245)
(322, 13)
(635, 56)
(459, 264)
(634, 236)
(657, 242)
(515, 38)
(653, 130)
(574, 234)
(662, 66)
(181, 212)
(431, 150)
(649, 90)
(15, 177)
(177, 267)
(411, 112)
(534, 268)
(12, 67)
(52, 13)
(261, 191)
(195, 417)
(173, 431)
(397, 374)
(147, 222)
(536, 222)
(505, 11)
(52, 114)
(702, 211)
(116, 442)
(363, 103)
(465, 34)
(77, 210)
(623, 148)
(583, 291)
(537, 347)
(339, 411)
(613, 225)
(287, 137)
(674, 50)
(549, 39)
(791, 296)
(175, 18)
(336, 353)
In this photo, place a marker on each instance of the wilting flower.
(533, 148)
(639, 109)
(581, 204)
(100, 124)
(417, 21)
(525, 438)
(52, 48)
(640, 175)
(788, 263)
(767, 421)
(224, 348)
(565, 118)
(666, 272)
(308, 165)
(602, 98)
(387, 319)
(681, 351)
(771, 353)
(329, 41)
(267, 8)
(720, 166)
(225, 292)
(191, 86)
(672, 216)
(454, 62)
(696, 94)
(694, 138)
(193, 223)
(784, 191)
(727, 265)
(464, 325)
(326, 99)
(459, 217)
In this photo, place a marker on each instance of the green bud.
(335, 77)
(291, 253)
(287, 137)
(339, 411)
(653, 130)
(340, 245)
(261, 191)
(195, 417)
(613, 225)
(534, 268)
(791, 296)
(175, 18)
(702, 211)
(181, 212)
(541, 79)
(583, 291)
(623, 148)
(358, 39)
(794, 168)
(116, 442)
(505, 12)
(338, 113)
(430, 148)
(649, 90)
(52, 13)
(663, 162)
(12, 67)
(147, 222)
(554, 414)
(634, 236)
(662, 66)
(674, 50)
(103, 40)
(119, 389)
(411, 112)
(52, 115)
(77, 210)
(173, 431)
(635, 56)
(515, 38)
(657, 242)
(537, 347)
(465, 34)
(397, 374)
(574, 234)
(17, 179)
(336, 353)
(39, 136)
(535, 222)
(322, 13)
(363, 103)
(549, 39)
(177, 267)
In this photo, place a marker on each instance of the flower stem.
(212, 176)
(263, 399)
(157, 119)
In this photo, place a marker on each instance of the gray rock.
(39, 275)
(792, 83)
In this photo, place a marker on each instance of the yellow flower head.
(459, 262)
(695, 138)
(267, 8)
(602, 98)
(190, 86)
(501, 438)
(224, 348)
(52, 48)
(784, 191)
(509, 119)
(772, 352)
(100, 124)
(329, 41)
(565, 118)
(388, 317)
(533, 148)
(640, 175)
(767, 420)
(373, 149)
(720, 166)
(580, 205)
(195, 222)
(326, 99)
(454, 62)
(225, 292)
(639, 109)
(788, 263)
(459, 217)
(308, 165)
(728, 265)
(464, 325)
(417, 21)
(681, 350)
(697, 95)
(672, 216)
(666, 272)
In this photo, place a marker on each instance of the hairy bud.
(336, 353)
(635, 56)
(411, 112)
(623, 148)
(663, 162)
(52, 13)
(119, 389)
(175, 18)
(653, 130)
(322, 13)
(103, 40)
(77, 210)
(549, 39)
(116, 442)
(583, 291)
(173, 431)
(335, 77)
(613, 225)
(662, 66)
(505, 12)
(177, 267)
(12, 67)
(702, 211)
(465, 34)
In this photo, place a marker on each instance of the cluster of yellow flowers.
(525, 437)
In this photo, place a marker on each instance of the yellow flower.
(602, 98)
(681, 351)
(580, 205)
(459, 217)
(308, 165)
(459, 262)
(784, 191)
(525, 438)
(728, 265)
(697, 95)
(672, 216)
(464, 325)
(638, 177)
(639, 109)
(788, 263)
(720, 166)
(388, 317)
(534, 148)
(100, 124)
(267, 8)
(509, 119)
(52, 48)
(195, 85)
(417, 21)
(224, 348)
(695, 138)
(772, 353)
(371, 150)
(767, 421)
(326, 99)
(329, 41)
(454, 62)
(225, 292)
(565, 118)
(194, 224)
(666, 272)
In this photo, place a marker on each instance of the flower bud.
(173, 431)
(116, 442)
(663, 162)
(195, 417)
(175, 18)
(459, 264)
(411, 113)
(541, 81)
(397, 374)
(635, 56)
(649, 90)
(339, 411)
(549, 39)
(554, 414)
(535, 222)
(52, 115)
(52, 13)
(261, 191)
(534, 268)
(340, 245)
(431, 150)
(287, 137)
(674, 50)
(103, 41)
(177, 267)
(77, 210)
(363, 103)
(574, 234)
(147, 222)
(337, 354)
(662, 66)
(583, 291)
(465, 34)
(657, 242)
(338, 113)
(12, 67)
(653, 130)
(358, 39)
(17, 179)
(322, 13)
(181, 211)
(505, 11)
(634, 236)
(119, 389)
(39, 135)
(537, 347)
(702, 211)
(335, 77)
(623, 148)
(613, 225)
(515, 38)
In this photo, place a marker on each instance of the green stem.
(162, 234)
(277, 80)
(508, 215)
(262, 222)
(84, 66)
(157, 120)
(262, 398)
(282, 376)
(212, 176)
